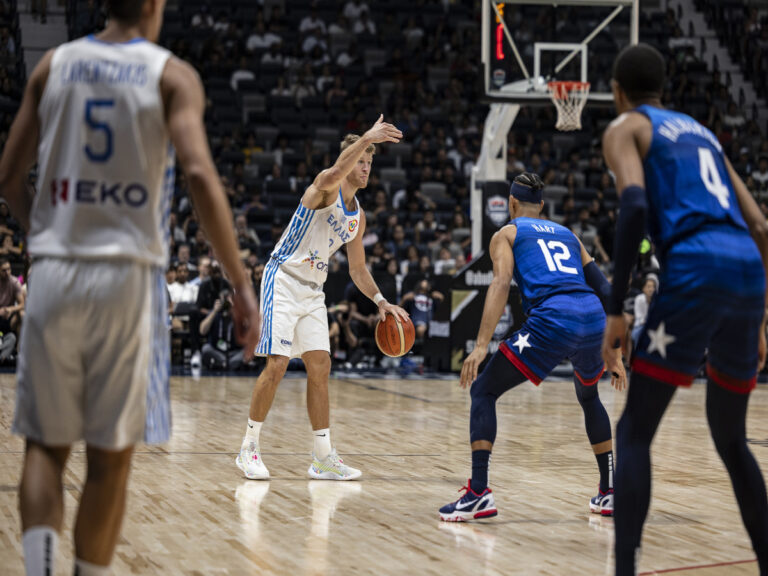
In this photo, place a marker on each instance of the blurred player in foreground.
(674, 179)
(101, 115)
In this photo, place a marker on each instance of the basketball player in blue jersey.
(558, 281)
(712, 243)
(293, 302)
(102, 116)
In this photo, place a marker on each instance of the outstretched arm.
(622, 150)
(495, 300)
(185, 103)
(363, 279)
(328, 181)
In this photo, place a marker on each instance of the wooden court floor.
(191, 512)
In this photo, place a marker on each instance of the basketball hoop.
(569, 98)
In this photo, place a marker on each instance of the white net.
(569, 98)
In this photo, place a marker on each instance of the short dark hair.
(641, 72)
(128, 11)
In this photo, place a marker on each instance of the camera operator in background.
(221, 351)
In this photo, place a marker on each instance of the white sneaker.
(332, 468)
(250, 462)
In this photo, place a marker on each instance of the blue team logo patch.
(497, 210)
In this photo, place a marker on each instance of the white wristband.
(378, 298)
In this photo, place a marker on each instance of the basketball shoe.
(250, 462)
(332, 467)
(602, 503)
(471, 506)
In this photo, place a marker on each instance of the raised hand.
(383, 132)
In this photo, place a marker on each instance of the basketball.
(394, 338)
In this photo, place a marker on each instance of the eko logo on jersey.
(314, 261)
(133, 194)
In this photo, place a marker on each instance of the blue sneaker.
(602, 503)
(471, 506)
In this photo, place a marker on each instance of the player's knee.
(274, 370)
(585, 394)
(318, 366)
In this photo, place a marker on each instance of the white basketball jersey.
(106, 164)
(313, 236)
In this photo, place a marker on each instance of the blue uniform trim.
(137, 40)
(157, 428)
(300, 223)
(344, 206)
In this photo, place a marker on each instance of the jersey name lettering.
(104, 72)
(543, 228)
(337, 227)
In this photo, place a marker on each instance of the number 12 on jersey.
(555, 260)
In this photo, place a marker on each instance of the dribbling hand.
(472, 365)
(245, 315)
(383, 132)
(387, 308)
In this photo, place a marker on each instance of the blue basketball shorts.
(711, 301)
(565, 326)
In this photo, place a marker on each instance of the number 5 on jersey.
(94, 153)
(555, 261)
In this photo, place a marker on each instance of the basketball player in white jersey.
(100, 115)
(294, 317)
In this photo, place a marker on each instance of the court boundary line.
(696, 567)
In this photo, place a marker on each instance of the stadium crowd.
(286, 80)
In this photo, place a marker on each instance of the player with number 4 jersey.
(558, 282)
(712, 242)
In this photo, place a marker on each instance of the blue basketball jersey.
(547, 261)
(686, 179)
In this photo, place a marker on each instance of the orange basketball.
(395, 338)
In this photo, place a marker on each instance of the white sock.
(252, 432)
(322, 443)
(40, 544)
(83, 568)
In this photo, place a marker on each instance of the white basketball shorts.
(294, 319)
(94, 357)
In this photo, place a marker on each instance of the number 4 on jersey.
(710, 175)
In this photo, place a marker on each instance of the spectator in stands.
(445, 263)
(734, 118)
(364, 25)
(420, 305)
(203, 271)
(182, 289)
(302, 89)
(210, 289)
(243, 72)
(184, 255)
(202, 18)
(398, 245)
(11, 299)
(312, 22)
(353, 9)
(443, 241)
(177, 232)
(301, 180)
(460, 231)
(642, 302)
(221, 350)
(7, 43)
(363, 315)
(760, 176)
(9, 249)
(247, 238)
(170, 278)
(275, 56)
(261, 39)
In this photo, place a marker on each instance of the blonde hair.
(350, 139)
